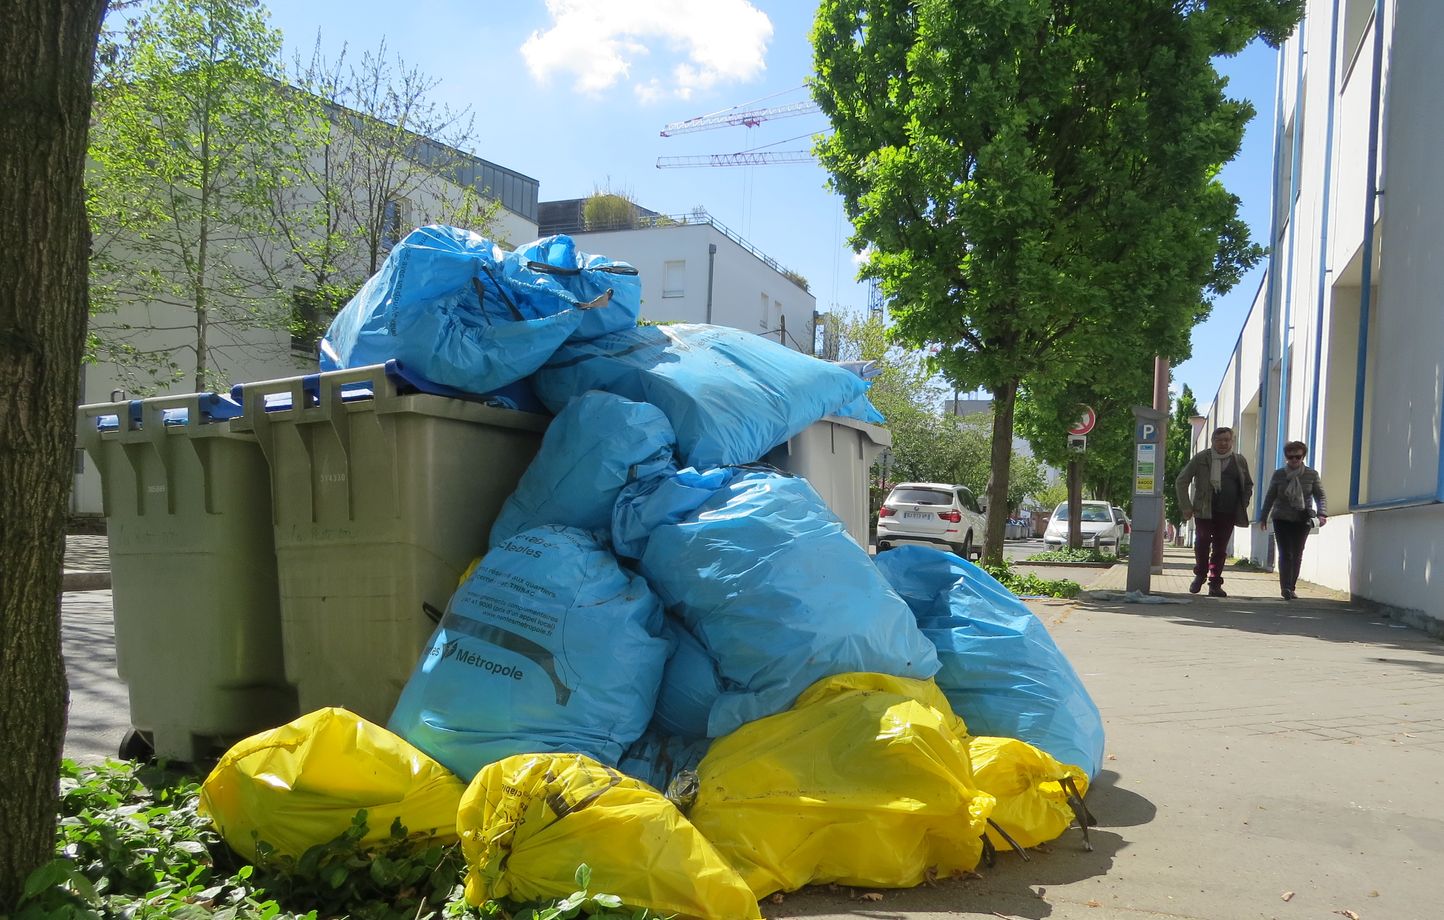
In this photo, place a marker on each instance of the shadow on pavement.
(99, 705)
(1314, 618)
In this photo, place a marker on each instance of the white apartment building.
(696, 270)
(1344, 346)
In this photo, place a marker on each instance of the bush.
(1031, 585)
(1068, 554)
(131, 844)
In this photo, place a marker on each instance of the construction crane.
(741, 158)
(735, 116)
(875, 304)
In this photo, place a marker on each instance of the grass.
(131, 844)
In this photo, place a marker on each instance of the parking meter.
(1148, 450)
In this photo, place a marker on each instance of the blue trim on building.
(1371, 192)
(1333, 95)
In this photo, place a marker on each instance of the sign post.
(1077, 447)
(1147, 494)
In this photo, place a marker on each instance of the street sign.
(1086, 420)
(1148, 432)
(1077, 443)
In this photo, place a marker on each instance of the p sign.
(1148, 433)
(1087, 418)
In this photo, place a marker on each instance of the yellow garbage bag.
(1032, 803)
(865, 781)
(527, 823)
(301, 785)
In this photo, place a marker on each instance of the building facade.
(1344, 346)
(241, 351)
(696, 270)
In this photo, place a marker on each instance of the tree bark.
(45, 80)
(1005, 398)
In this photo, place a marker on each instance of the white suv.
(932, 512)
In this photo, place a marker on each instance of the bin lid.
(518, 396)
(213, 407)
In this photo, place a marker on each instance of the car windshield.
(922, 496)
(1092, 514)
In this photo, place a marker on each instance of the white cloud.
(600, 43)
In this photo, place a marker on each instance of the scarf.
(1216, 461)
(1294, 487)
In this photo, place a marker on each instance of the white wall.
(739, 279)
(1392, 556)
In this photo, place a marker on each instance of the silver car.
(932, 512)
(1100, 526)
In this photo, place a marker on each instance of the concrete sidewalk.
(1266, 759)
(1258, 750)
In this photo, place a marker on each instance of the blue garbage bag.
(583, 464)
(780, 596)
(554, 262)
(863, 410)
(690, 686)
(441, 306)
(547, 646)
(646, 504)
(657, 757)
(731, 396)
(1001, 670)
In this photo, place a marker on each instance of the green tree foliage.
(1180, 435)
(1047, 406)
(927, 446)
(1038, 178)
(189, 146)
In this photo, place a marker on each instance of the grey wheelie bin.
(835, 455)
(193, 572)
(381, 499)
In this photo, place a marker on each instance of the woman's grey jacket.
(1274, 498)
(1196, 474)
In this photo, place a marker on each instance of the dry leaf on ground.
(1288, 895)
(1347, 913)
(869, 896)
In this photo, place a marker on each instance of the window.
(395, 222)
(674, 278)
(1284, 190)
(1357, 16)
(766, 309)
(919, 496)
(966, 499)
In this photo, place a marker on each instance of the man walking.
(1221, 491)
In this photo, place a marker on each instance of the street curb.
(1068, 565)
(85, 581)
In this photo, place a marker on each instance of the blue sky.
(575, 92)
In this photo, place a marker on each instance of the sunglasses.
(1293, 456)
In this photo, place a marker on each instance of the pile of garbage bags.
(673, 663)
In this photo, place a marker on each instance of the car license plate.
(916, 515)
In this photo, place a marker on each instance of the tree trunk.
(1005, 398)
(45, 80)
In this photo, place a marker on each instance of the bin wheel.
(137, 747)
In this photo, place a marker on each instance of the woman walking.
(1291, 490)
